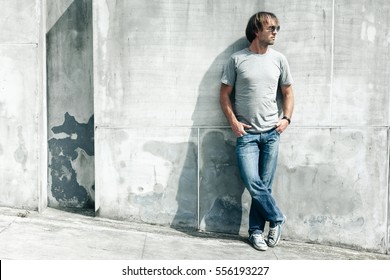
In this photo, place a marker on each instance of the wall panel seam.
(332, 61)
(387, 237)
(198, 180)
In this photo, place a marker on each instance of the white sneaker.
(275, 233)
(257, 240)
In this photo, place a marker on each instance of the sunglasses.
(273, 28)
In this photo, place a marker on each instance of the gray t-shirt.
(257, 79)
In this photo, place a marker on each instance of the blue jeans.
(257, 158)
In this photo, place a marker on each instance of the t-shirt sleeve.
(285, 77)
(229, 73)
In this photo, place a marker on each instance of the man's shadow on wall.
(220, 188)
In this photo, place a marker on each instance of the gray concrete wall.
(165, 154)
(21, 104)
(70, 104)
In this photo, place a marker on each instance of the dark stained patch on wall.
(69, 53)
(64, 150)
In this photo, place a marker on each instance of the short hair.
(256, 22)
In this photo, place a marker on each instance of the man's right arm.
(227, 108)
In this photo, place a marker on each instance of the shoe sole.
(260, 248)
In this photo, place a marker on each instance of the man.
(257, 73)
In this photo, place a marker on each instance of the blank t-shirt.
(257, 79)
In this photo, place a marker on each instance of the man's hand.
(288, 107)
(282, 125)
(239, 128)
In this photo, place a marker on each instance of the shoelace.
(272, 232)
(258, 236)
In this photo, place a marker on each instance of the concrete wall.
(164, 152)
(70, 104)
(166, 155)
(21, 104)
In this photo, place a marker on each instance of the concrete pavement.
(59, 235)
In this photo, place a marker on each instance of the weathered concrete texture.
(59, 235)
(331, 186)
(361, 68)
(157, 68)
(164, 152)
(306, 40)
(148, 175)
(151, 66)
(222, 206)
(54, 10)
(20, 74)
(70, 104)
(72, 164)
(19, 21)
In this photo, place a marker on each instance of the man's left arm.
(288, 108)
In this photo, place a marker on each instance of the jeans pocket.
(276, 131)
(242, 139)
